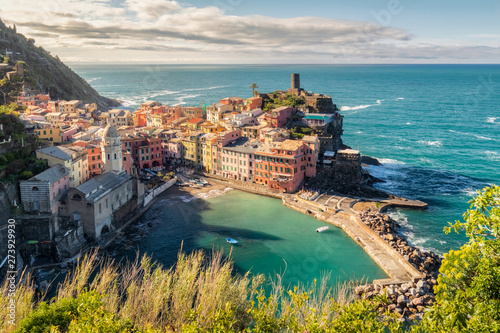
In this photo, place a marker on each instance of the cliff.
(46, 72)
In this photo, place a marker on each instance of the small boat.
(203, 181)
(321, 229)
(231, 241)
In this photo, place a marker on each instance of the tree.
(253, 86)
(468, 290)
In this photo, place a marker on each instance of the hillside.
(44, 71)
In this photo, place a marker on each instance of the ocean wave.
(385, 161)
(93, 79)
(418, 182)
(470, 192)
(409, 232)
(360, 107)
(399, 99)
(492, 120)
(484, 138)
(492, 155)
(209, 88)
(213, 193)
(162, 93)
(431, 143)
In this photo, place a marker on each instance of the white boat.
(321, 229)
(231, 241)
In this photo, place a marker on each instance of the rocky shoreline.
(407, 299)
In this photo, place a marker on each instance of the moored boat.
(321, 229)
(231, 241)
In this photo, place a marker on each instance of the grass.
(199, 294)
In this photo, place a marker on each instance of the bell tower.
(111, 148)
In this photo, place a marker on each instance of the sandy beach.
(178, 194)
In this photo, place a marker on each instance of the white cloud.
(156, 27)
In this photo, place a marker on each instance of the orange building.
(284, 166)
(141, 118)
(94, 156)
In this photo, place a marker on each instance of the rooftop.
(59, 152)
(51, 175)
(100, 185)
(244, 145)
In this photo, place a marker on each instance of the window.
(34, 188)
(93, 158)
(124, 158)
(115, 156)
(100, 209)
(93, 166)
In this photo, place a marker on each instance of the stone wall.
(246, 186)
(70, 243)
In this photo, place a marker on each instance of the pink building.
(172, 151)
(278, 117)
(127, 161)
(42, 192)
(67, 132)
(238, 159)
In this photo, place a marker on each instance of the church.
(103, 202)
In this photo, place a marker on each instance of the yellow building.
(206, 146)
(208, 127)
(52, 134)
(190, 148)
(74, 158)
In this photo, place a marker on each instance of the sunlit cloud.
(157, 27)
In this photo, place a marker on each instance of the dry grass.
(195, 290)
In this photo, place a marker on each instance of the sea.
(435, 129)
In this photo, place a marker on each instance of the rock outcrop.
(408, 299)
(47, 73)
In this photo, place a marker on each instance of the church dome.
(110, 132)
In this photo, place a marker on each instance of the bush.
(26, 175)
(15, 167)
(86, 313)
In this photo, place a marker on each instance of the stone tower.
(296, 81)
(111, 149)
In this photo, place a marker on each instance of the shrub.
(26, 175)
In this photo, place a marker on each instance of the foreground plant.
(201, 294)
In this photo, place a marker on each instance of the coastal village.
(105, 168)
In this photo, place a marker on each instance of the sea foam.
(431, 143)
(360, 107)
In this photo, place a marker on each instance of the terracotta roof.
(195, 121)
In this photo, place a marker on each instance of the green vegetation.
(254, 86)
(45, 72)
(468, 290)
(280, 98)
(200, 295)
(299, 132)
(17, 160)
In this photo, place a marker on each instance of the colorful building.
(42, 192)
(283, 166)
(72, 157)
(278, 117)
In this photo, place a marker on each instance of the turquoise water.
(272, 239)
(435, 127)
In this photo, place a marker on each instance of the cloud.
(160, 26)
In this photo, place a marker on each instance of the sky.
(261, 32)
